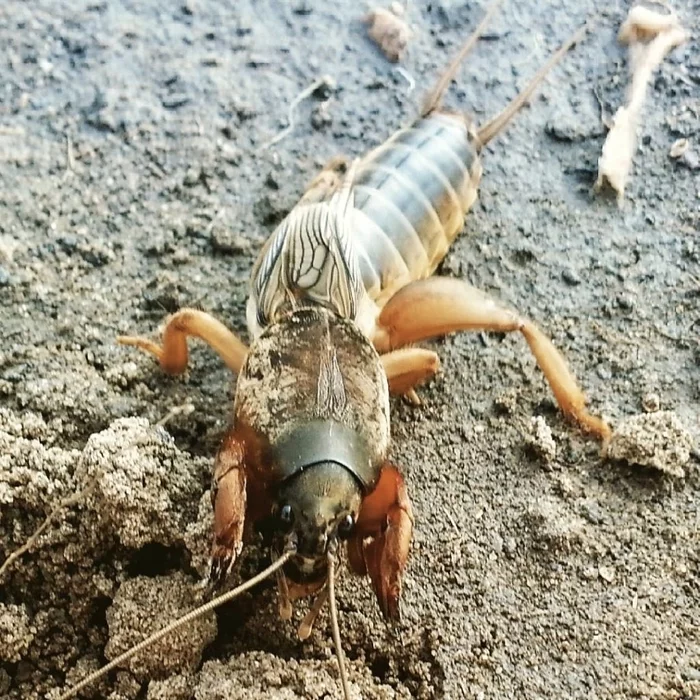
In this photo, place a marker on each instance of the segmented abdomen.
(411, 196)
(352, 246)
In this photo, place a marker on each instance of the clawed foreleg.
(229, 501)
(381, 542)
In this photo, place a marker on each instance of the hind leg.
(439, 305)
(408, 367)
(172, 354)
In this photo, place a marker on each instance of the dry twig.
(650, 36)
(319, 82)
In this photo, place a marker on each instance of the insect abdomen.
(411, 196)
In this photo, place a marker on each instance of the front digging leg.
(382, 539)
(229, 501)
(439, 305)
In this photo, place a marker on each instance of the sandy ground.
(132, 182)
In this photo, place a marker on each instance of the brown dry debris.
(389, 31)
(650, 35)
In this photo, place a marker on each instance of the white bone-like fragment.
(650, 36)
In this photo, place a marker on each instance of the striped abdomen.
(411, 195)
(351, 247)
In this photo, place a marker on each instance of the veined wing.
(309, 260)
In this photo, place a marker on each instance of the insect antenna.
(434, 97)
(335, 630)
(176, 624)
(495, 125)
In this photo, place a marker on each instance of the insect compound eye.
(286, 516)
(345, 527)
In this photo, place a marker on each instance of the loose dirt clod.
(656, 440)
(261, 675)
(143, 485)
(541, 440)
(16, 632)
(179, 687)
(32, 476)
(650, 36)
(389, 31)
(144, 605)
(553, 527)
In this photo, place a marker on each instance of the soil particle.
(31, 472)
(176, 687)
(541, 440)
(657, 440)
(523, 582)
(16, 632)
(141, 486)
(142, 606)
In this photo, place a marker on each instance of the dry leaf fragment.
(389, 31)
(650, 36)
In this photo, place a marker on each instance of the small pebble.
(679, 147)
(192, 177)
(690, 159)
(604, 372)
(607, 573)
(571, 277)
(651, 402)
(626, 302)
(230, 153)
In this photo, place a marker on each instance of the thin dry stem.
(185, 619)
(335, 630)
(323, 80)
(63, 505)
(650, 36)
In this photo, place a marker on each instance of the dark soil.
(133, 181)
